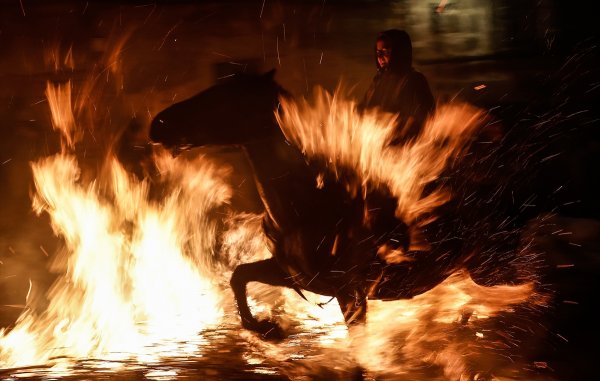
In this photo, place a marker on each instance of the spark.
(562, 337)
(277, 45)
(321, 60)
(226, 76)
(590, 122)
(6, 161)
(22, 7)
(565, 266)
(261, 9)
(456, 95)
(594, 87)
(38, 102)
(167, 35)
(221, 54)
(313, 278)
(44, 251)
(262, 37)
(29, 291)
(480, 87)
(151, 12)
(550, 157)
(576, 113)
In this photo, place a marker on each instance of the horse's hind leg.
(266, 271)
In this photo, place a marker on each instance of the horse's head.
(234, 111)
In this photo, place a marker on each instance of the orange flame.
(127, 276)
(332, 127)
(127, 282)
(59, 99)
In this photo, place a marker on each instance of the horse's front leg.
(353, 303)
(266, 271)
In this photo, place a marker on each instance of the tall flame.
(134, 271)
(333, 128)
(127, 282)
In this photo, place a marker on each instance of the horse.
(318, 236)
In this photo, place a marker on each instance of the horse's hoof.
(269, 330)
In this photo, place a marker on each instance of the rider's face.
(384, 54)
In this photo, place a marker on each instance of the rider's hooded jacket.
(399, 88)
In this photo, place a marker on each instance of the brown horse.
(319, 237)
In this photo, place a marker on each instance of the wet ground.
(533, 58)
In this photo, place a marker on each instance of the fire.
(127, 282)
(450, 327)
(59, 99)
(140, 276)
(127, 277)
(333, 128)
(427, 327)
(400, 336)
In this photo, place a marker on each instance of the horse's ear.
(270, 75)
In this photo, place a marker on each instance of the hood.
(399, 40)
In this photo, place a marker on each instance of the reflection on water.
(428, 338)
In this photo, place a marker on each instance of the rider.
(398, 87)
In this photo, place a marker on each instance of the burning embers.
(138, 273)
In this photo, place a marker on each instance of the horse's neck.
(283, 178)
(273, 158)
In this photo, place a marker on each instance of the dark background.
(537, 59)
